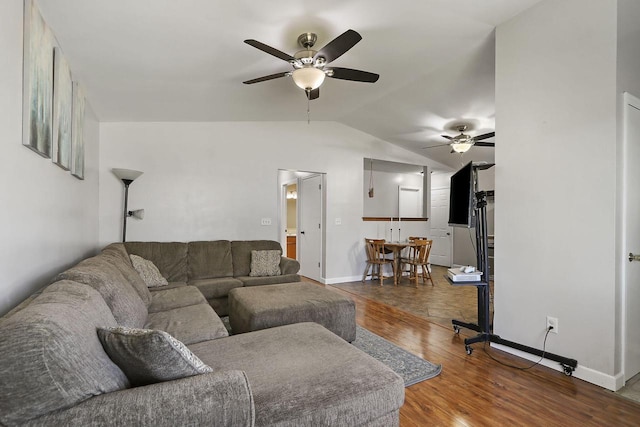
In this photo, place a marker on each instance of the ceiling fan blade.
(435, 146)
(335, 48)
(314, 94)
(484, 136)
(265, 78)
(353, 75)
(484, 144)
(270, 50)
(448, 137)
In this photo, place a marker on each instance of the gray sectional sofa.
(55, 371)
(214, 267)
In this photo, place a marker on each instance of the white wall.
(628, 63)
(49, 219)
(385, 199)
(217, 180)
(555, 181)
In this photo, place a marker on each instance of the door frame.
(630, 101)
(291, 176)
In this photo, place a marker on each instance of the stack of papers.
(458, 276)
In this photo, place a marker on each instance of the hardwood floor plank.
(474, 390)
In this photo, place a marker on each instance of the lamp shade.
(128, 174)
(138, 214)
(461, 147)
(308, 78)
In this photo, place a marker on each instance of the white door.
(441, 233)
(310, 227)
(631, 238)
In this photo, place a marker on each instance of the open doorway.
(291, 220)
(302, 220)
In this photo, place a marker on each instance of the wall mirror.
(394, 190)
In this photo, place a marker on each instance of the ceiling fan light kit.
(461, 147)
(308, 78)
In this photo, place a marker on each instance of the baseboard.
(600, 379)
(334, 280)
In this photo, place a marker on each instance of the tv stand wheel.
(469, 349)
(456, 329)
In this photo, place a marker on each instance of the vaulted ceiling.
(170, 60)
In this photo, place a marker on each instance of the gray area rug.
(411, 368)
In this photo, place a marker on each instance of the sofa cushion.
(51, 355)
(268, 280)
(190, 325)
(169, 257)
(148, 272)
(148, 357)
(210, 259)
(99, 273)
(168, 299)
(216, 288)
(171, 285)
(241, 252)
(121, 260)
(304, 375)
(265, 263)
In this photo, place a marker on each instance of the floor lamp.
(127, 176)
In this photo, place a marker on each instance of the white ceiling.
(170, 60)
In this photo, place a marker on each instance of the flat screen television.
(461, 198)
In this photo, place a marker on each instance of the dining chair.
(419, 257)
(376, 259)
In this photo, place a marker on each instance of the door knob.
(633, 257)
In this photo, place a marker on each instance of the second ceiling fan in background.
(463, 142)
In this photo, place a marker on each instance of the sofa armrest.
(220, 398)
(289, 265)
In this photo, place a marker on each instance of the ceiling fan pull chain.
(308, 110)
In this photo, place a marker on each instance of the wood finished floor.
(474, 390)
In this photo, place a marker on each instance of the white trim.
(628, 100)
(609, 382)
(335, 280)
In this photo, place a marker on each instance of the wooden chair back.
(422, 251)
(375, 250)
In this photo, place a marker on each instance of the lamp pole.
(127, 176)
(126, 211)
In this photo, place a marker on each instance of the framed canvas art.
(37, 114)
(77, 132)
(62, 110)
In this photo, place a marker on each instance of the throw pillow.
(265, 263)
(148, 271)
(148, 356)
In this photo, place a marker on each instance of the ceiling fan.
(310, 66)
(463, 142)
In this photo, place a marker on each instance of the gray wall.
(556, 101)
(49, 219)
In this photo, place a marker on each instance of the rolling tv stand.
(484, 327)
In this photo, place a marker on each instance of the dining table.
(396, 248)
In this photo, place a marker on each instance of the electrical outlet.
(266, 221)
(552, 322)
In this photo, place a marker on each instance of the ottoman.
(261, 307)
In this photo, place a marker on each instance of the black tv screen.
(461, 198)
